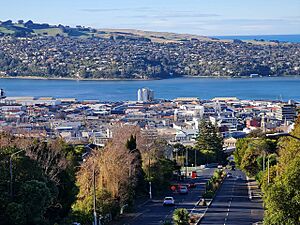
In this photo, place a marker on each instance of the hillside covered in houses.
(58, 51)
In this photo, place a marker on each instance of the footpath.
(253, 190)
(124, 218)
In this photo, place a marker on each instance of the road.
(154, 213)
(232, 205)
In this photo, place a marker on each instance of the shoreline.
(74, 79)
(136, 79)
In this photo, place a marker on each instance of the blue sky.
(204, 17)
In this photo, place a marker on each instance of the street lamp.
(11, 170)
(94, 196)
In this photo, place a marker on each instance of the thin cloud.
(96, 10)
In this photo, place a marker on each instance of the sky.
(203, 17)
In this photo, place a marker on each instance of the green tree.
(241, 147)
(36, 198)
(131, 143)
(181, 217)
(282, 197)
(210, 140)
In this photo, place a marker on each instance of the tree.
(32, 193)
(52, 163)
(131, 143)
(282, 195)
(118, 173)
(181, 217)
(209, 140)
(36, 198)
(249, 161)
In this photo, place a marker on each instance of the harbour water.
(294, 38)
(205, 88)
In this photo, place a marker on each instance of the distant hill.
(29, 49)
(29, 28)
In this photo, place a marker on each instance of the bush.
(208, 194)
(181, 217)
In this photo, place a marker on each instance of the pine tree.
(209, 141)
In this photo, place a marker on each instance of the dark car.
(192, 185)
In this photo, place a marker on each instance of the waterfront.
(205, 88)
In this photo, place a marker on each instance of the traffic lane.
(232, 204)
(155, 213)
(243, 210)
(218, 210)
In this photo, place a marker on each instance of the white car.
(169, 201)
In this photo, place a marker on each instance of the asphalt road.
(154, 213)
(232, 204)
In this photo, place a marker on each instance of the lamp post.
(11, 170)
(186, 161)
(94, 196)
(195, 158)
(268, 169)
(149, 175)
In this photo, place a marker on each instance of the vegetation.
(181, 217)
(213, 184)
(210, 143)
(52, 185)
(280, 183)
(43, 187)
(56, 51)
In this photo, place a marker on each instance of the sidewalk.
(123, 219)
(254, 190)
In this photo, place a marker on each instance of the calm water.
(204, 88)
(295, 38)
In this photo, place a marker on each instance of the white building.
(145, 95)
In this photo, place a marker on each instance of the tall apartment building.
(286, 112)
(145, 95)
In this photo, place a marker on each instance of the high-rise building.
(286, 112)
(145, 95)
(140, 96)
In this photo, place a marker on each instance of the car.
(229, 175)
(169, 201)
(220, 167)
(192, 185)
(183, 190)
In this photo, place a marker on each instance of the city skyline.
(211, 18)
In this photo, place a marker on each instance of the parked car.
(169, 201)
(183, 190)
(220, 167)
(229, 175)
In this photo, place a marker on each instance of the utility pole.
(11, 171)
(149, 175)
(264, 161)
(148, 135)
(268, 169)
(94, 196)
(186, 161)
(195, 157)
